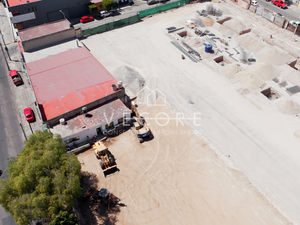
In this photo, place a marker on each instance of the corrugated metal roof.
(68, 80)
(43, 30)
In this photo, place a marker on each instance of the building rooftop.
(93, 118)
(44, 30)
(52, 50)
(19, 2)
(95, 1)
(68, 80)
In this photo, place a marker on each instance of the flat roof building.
(93, 123)
(46, 35)
(66, 82)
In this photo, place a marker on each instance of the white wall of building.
(88, 133)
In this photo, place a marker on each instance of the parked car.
(29, 115)
(105, 13)
(151, 2)
(279, 3)
(15, 76)
(86, 19)
(295, 23)
(255, 3)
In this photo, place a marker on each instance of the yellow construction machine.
(106, 159)
(140, 129)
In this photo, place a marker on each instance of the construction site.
(214, 131)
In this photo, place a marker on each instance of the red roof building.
(66, 82)
(18, 2)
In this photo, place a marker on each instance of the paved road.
(125, 12)
(291, 13)
(11, 139)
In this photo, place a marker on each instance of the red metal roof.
(44, 30)
(19, 2)
(95, 1)
(68, 80)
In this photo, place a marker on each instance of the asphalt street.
(291, 13)
(11, 138)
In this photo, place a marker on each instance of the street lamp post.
(63, 14)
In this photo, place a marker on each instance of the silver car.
(105, 13)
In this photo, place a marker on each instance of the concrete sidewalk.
(23, 94)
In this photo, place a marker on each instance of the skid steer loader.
(106, 159)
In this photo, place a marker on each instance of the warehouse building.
(76, 96)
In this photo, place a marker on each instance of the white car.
(105, 13)
(255, 3)
(295, 23)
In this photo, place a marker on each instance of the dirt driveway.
(174, 179)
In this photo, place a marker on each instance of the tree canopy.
(65, 218)
(108, 4)
(41, 181)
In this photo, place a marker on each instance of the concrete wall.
(48, 40)
(48, 10)
(252, 8)
(118, 94)
(268, 15)
(87, 133)
(279, 21)
(259, 11)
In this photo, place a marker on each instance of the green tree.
(41, 181)
(108, 4)
(65, 218)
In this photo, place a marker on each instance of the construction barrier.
(259, 11)
(268, 15)
(162, 8)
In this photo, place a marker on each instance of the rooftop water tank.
(62, 121)
(120, 84)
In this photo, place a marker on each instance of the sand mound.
(288, 107)
(263, 71)
(208, 22)
(251, 42)
(291, 75)
(253, 77)
(231, 69)
(131, 79)
(236, 25)
(273, 55)
(196, 43)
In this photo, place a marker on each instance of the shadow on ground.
(92, 212)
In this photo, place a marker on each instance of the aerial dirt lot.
(259, 131)
(174, 179)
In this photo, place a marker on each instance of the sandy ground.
(175, 179)
(261, 136)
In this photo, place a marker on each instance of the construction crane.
(140, 127)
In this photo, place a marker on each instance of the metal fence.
(111, 25)
(133, 19)
(162, 8)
